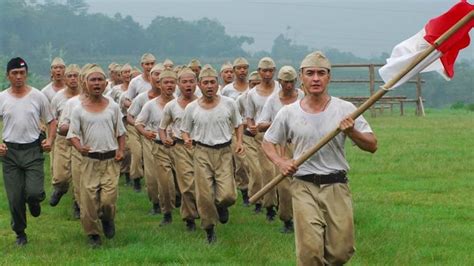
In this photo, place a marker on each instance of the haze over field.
(366, 28)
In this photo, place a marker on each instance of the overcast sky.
(365, 28)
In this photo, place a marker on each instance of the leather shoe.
(109, 228)
(223, 213)
(190, 225)
(21, 239)
(94, 241)
(167, 218)
(35, 208)
(271, 213)
(156, 209)
(211, 235)
(55, 198)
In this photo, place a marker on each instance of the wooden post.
(372, 85)
(418, 96)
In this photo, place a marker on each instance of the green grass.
(413, 203)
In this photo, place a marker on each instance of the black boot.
(167, 219)
(271, 213)
(128, 181)
(35, 208)
(137, 186)
(258, 208)
(190, 225)
(156, 209)
(109, 228)
(211, 235)
(245, 197)
(76, 211)
(287, 227)
(21, 239)
(223, 213)
(55, 197)
(94, 241)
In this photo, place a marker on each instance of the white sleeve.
(278, 131)
(236, 118)
(131, 91)
(74, 125)
(250, 112)
(167, 119)
(120, 127)
(143, 116)
(46, 113)
(266, 114)
(187, 122)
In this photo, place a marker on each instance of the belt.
(247, 133)
(217, 146)
(180, 141)
(338, 177)
(102, 156)
(23, 146)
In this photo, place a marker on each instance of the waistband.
(23, 146)
(102, 156)
(180, 141)
(337, 177)
(157, 141)
(218, 146)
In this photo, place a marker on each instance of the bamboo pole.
(366, 105)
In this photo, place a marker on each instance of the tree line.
(41, 31)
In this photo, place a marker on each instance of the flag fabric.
(442, 58)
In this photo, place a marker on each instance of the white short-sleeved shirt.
(230, 91)
(97, 130)
(49, 91)
(21, 116)
(272, 106)
(115, 92)
(138, 103)
(137, 85)
(150, 116)
(255, 103)
(69, 105)
(211, 126)
(305, 130)
(58, 103)
(173, 115)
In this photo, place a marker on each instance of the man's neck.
(58, 84)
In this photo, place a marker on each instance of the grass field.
(413, 200)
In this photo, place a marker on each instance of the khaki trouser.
(268, 172)
(127, 158)
(215, 184)
(23, 178)
(324, 226)
(183, 158)
(251, 153)
(136, 150)
(62, 164)
(150, 171)
(241, 168)
(165, 178)
(76, 172)
(99, 191)
(285, 206)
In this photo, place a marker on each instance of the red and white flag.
(442, 58)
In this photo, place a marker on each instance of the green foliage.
(470, 107)
(457, 105)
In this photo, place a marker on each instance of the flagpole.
(367, 104)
